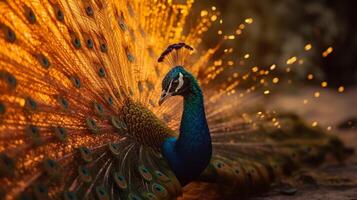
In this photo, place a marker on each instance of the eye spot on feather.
(131, 58)
(144, 172)
(9, 79)
(2, 108)
(119, 124)
(30, 104)
(86, 154)
(45, 63)
(10, 35)
(84, 174)
(63, 102)
(7, 165)
(159, 174)
(101, 193)
(41, 191)
(33, 130)
(89, 11)
(114, 149)
(121, 22)
(59, 13)
(101, 72)
(30, 15)
(98, 108)
(219, 164)
(103, 48)
(76, 82)
(84, 170)
(33, 133)
(162, 177)
(92, 125)
(51, 167)
(122, 26)
(12, 82)
(90, 43)
(159, 190)
(61, 133)
(121, 178)
(76, 43)
(109, 100)
(120, 181)
(69, 195)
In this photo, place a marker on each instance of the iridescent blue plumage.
(190, 153)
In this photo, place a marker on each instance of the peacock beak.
(165, 95)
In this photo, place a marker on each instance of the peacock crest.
(79, 116)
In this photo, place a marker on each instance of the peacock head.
(176, 82)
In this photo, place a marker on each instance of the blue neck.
(190, 154)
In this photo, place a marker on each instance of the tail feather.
(253, 160)
(67, 126)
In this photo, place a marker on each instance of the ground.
(330, 109)
(347, 170)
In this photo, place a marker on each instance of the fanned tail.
(71, 122)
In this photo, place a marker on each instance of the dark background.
(282, 28)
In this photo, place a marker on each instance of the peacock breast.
(143, 125)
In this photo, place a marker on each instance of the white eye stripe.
(181, 81)
(168, 89)
(179, 86)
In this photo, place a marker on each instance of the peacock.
(87, 111)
